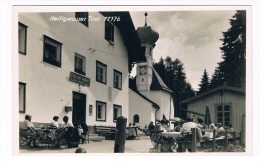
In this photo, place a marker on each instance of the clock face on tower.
(142, 70)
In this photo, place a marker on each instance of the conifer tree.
(204, 84)
(233, 66)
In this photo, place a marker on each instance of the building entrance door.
(79, 107)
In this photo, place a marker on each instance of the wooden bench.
(108, 132)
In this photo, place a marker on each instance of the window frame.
(105, 111)
(24, 97)
(57, 61)
(109, 32)
(79, 15)
(224, 122)
(81, 71)
(119, 74)
(104, 75)
(25, 38)
(116, 107)
(136, 118)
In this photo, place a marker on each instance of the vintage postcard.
(143, 80)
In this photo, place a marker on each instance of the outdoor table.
(171, 134)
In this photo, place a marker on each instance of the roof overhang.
(136, 53)
(223, 88)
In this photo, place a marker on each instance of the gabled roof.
(158, 84)
(136, 53)
(147, 99)
(224, 87)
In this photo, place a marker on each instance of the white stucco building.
(76, 68)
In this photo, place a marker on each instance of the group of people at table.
(183, 130)
(64, 131)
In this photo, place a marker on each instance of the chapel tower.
(144, 70)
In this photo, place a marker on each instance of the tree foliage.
(204, 83)
(175, 78)
(232, 70)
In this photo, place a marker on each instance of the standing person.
(150, 127)
(54, 123)
(28, 130)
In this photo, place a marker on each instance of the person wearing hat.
(54, 123)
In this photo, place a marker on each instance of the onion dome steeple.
(146, 34)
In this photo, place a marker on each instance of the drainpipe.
(155, 115)
(170, 112)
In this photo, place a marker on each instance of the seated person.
(229, 127)
(69, 133)
(220, 133)
(209, 135)
(164, 125)
(131, 132)
(80, 131)
(84, 126)
(28, 130)
(54, 124)
(187, 136)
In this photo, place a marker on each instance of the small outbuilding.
(227, 105)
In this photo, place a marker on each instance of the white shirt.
(188, 126)
(54, 124)
(68, 124)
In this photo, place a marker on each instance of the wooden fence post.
(226, 138)
(193, 140)
(240, 138)
(214, 140)
(120, 135)
(235, 137)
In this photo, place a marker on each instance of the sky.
(191, 36)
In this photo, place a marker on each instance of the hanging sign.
(82, 80)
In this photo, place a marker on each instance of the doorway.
(79, 107)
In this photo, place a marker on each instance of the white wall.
(162, 98)
(48, 88)
(140, 106)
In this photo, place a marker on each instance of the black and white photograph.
(169, 80)
(132, 81)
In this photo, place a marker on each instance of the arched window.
(136, 118)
